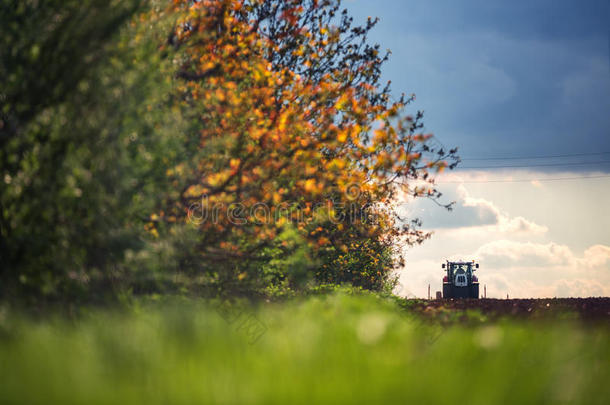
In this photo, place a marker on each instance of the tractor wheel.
(447, 293)
(474, 291)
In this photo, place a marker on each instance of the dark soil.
(587, 309)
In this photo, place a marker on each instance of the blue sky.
(502, 78)
(509, 79)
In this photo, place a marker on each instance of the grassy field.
(324, 349)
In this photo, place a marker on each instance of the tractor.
(460, 281)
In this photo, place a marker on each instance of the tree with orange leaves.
(294, 136)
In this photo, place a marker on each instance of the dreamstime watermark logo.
(352, 192)
(430, 329)
(238, 213)
(242, 320)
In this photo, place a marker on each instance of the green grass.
(324, 349)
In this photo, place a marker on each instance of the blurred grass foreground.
(337, 348)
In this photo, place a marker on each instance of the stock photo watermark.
(237, 213)
(242, 320)
(431, 330)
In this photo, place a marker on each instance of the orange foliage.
(270, 136)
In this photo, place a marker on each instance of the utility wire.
(539, 156)
(536, 165)
(527, 180)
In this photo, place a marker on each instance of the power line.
(540, 156)
(528, 180)
(536, 165)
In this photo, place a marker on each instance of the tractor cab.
(460, 281)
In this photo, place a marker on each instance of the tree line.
(214, 147)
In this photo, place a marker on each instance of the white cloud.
(597, 256)
(519, 225)
(503, 227)
(578, 288)
(528, 280)
(508, 253)
(475, 212)
(499, 287)
(503, 221)
(526, 269)
(521, 269)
